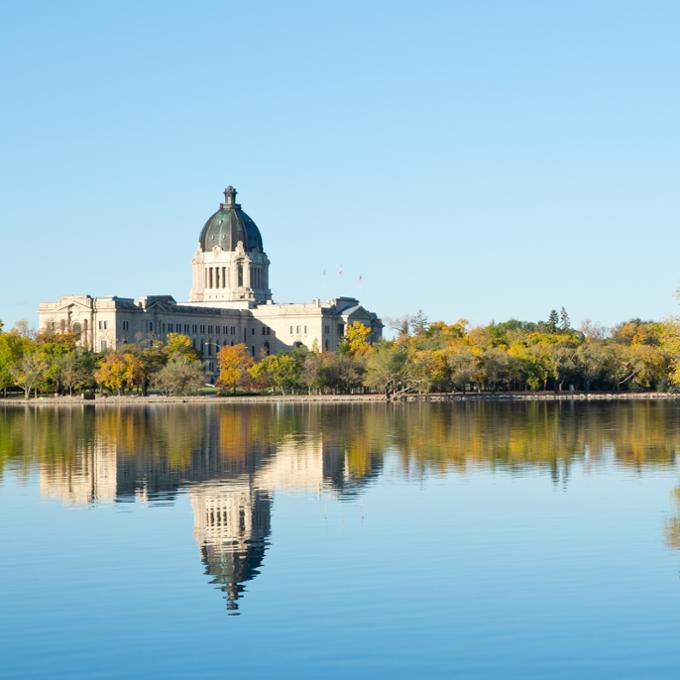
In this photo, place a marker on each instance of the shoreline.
(135, 400)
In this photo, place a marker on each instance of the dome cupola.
(230, 267)
(229, 225)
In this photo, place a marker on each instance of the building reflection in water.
(231, 525)
(233, 460)
(230, 462)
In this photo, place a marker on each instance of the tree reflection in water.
(233, 459)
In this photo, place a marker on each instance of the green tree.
(463, 367)
(29, 371)
(280, 371)
(591, 362)
(180, 376)
(12, 347)
(389, 370)
(419, 323)
(76, 370)
(565, 322)
(53, 347)
(150, 361)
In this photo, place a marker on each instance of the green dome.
(228, 226)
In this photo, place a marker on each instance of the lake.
(475, 540)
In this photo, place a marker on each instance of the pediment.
(72, 304)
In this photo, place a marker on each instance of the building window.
(291, 330)
(126, 325)
(239, 274)
(224, 277)
(102, 325)
(341, 330)
(327, 329)
(217, 277)
(252, 350)
(210, 277)
(252, 331)
(103, 345)
(305, 330)
(210, 330)
(297, 329)
(269, 331)
(194, 328)
(186, 327)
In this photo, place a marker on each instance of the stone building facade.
(230, 303)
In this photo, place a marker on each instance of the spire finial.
(230, 196)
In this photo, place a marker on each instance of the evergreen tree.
(553, 320)
(565, 322)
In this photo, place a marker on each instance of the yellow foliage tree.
(119, 372)
(234, 362)
(356, 338)
(177, 343)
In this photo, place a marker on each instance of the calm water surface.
(421, 541)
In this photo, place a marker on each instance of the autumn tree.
(177, 343)
(356, 340)
(234, 362)
(119, 372)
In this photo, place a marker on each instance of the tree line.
(513, 355)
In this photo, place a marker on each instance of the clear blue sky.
(483, 160)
